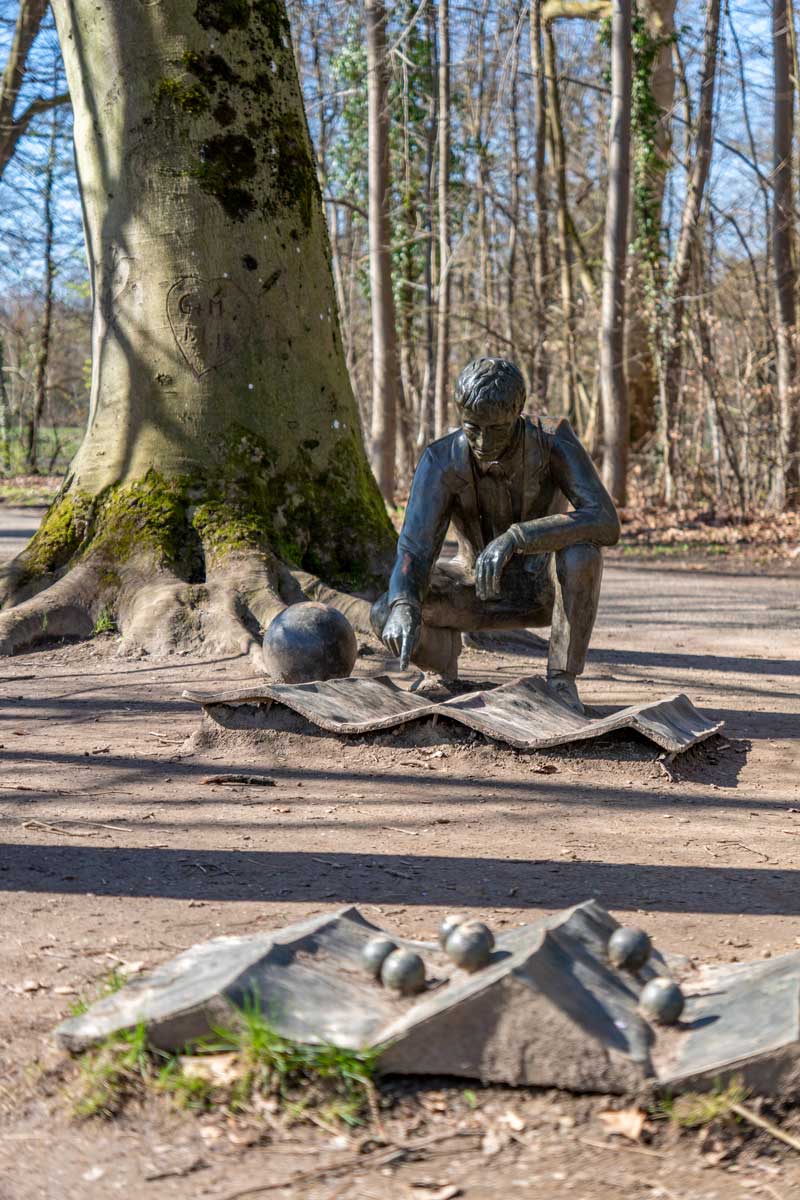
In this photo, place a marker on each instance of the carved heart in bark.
(209, 318)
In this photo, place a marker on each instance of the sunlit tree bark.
(223, 438)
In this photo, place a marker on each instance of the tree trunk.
(785, 485)
(672, 336)
(659, 17)
(386, 386)
(43, 354)
(616, 424)
(514, 201)
(558, 156)
(442, 393)
(427, 416)
(542, 264)
(5, 416)
(223, 434)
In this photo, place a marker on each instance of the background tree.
(223, 435)
(386, 382)
(616, 419)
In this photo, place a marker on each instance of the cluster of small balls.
(660, 1000)
(402, 970)
(468, 943)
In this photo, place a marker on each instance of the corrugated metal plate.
(521, 713)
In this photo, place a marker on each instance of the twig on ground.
(76, 821)
(354, 1163)
(620, 1146)
(250, 780)
(747, 1114)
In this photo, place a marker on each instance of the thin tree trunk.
(785, 484)
(427, 423)
(5, 416)
(672, 336)
(43, 352)
(616, 424)
(514, 171)
(386, 386)
(558, 160)
(443, 292)
(542, 265)
(486, 300)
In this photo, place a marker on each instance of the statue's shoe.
(564, 688)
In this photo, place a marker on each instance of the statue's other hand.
(491, 564)
(402, 632)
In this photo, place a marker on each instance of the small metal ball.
(470, 946)
(629, 947)
(662, 1001)
(450, 922)
(474, 923)
(404, 971)
(375, 952)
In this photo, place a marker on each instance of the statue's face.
(488, 432)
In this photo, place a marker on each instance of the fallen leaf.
(493, 1142)
(436, 1191)
(627, 1122)
(217, 1069)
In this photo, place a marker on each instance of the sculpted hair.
(491, 383)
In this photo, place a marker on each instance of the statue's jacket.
(555, 468)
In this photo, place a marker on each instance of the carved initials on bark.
(209, 319)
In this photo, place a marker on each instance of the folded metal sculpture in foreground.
(548, 1009)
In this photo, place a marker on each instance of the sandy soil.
(115, 851)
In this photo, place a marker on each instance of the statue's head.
(490, 394)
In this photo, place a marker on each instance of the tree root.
(157, 611)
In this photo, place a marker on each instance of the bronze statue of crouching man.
(499, 479)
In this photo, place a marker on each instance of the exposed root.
(68, 608)
(355, 608)
(159, 612)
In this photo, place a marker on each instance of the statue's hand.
(401, 633)
(491, 564)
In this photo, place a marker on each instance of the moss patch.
(188, 98)
(58, 537)
(226, 162)
(295, 175)
(330, 520)
(223, 15)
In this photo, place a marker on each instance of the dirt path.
(407, 829)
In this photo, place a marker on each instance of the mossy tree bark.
(223, 439)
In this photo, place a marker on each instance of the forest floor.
(115, 854)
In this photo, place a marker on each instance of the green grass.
(692, 1110)
(323, 1083)
(54, 453)
(105, 622)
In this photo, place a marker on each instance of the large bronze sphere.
(309, 641)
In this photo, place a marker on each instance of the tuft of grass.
(105, 622)
(321, 1083)
(113, 1073)
(328, 1078)
(693, 1110)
